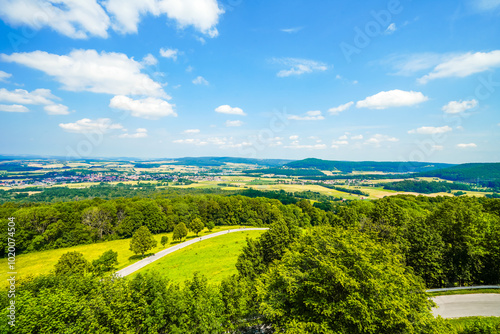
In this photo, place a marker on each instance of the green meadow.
(37, 263)
(215, 258)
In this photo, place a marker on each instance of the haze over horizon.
(389, 81)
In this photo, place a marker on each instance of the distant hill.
(367, 166)
(286, 171)
(220, 161)
(481, 173)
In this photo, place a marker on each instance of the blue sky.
(342, 80)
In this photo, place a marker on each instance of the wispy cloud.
(4, 76)
(464, 65)
(341, 108)
(234, 123)
(87, 125)
(292, 30)
(390, 29)
(430, 130)
(200, 81)
(313, 115)
(191, 131)
(298, 66)
(13, 108)
(465, 146)
(139, 133)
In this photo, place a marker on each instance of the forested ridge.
(323, 267)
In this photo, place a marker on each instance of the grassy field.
(463, 292)
(461, 324)
(43, 262)
(215, 258)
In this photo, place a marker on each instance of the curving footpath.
(457, 306)
(144, 262)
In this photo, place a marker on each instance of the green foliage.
(486, 174)
(196, 225)
(107, 262)
(180, 231)
(142, 241)
(476, 325)
(338, 281)
(350, 166)
(258, 255)
(164, 240)
(210, 225)
(424, 187)
(72, 263)
(345, 190)
(286, 171)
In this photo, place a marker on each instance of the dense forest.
(485, 174)
(350, 166)
(425, 187)
(286, 171)
(323, 267)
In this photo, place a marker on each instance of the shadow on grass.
(139, 257)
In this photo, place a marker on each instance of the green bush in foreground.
(340, 281)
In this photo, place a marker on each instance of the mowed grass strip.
(215, 258)
(43, 262)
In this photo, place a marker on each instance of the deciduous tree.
(142, 241)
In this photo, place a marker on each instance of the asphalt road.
(478, 304)
(150, 259)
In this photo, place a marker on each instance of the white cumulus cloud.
(86, 125)
(470, 145)
(430, 130)
(56, 109)
(169, 53)
(226, 109)
(149, 108)
(456, 107)
(86, 18)
(463, 65)
(341, 108)
(298, 66)
(21, 96)
(88, 70)
(392, 98)
(13, 108)
(72, 18)
(201, 14)
(313, 115)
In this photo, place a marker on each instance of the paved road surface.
(142, 263)
(478, 304)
